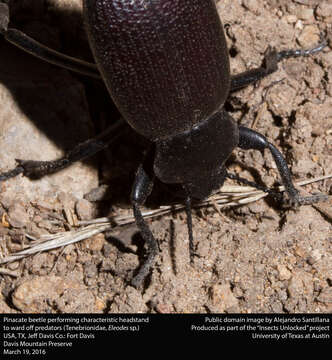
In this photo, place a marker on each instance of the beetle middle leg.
(270, 65)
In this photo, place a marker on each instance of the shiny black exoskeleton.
(166, 66)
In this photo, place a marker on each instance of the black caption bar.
(48, 334)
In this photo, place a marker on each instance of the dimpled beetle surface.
(166, 66)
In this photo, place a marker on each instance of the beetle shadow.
(64, 107)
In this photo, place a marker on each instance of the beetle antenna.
(189, 222)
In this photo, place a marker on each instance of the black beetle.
(166, 66)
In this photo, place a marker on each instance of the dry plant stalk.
(229, 195)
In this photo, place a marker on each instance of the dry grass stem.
(229, 195)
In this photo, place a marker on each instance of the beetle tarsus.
(12, 173)
(286, 54)
(307, 200)
(152, 252)
(189, 224)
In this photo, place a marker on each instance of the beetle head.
(197, 158)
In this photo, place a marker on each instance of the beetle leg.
(141, 190)
(189, 223)
(249, 77)
(33, 47)
(250, 139)
(270, 65)
(36, 169)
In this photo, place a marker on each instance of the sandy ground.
(256, 258)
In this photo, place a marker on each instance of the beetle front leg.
(250, 139)
(141, 190)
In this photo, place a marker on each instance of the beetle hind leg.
(270, 64)
(34, 48)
